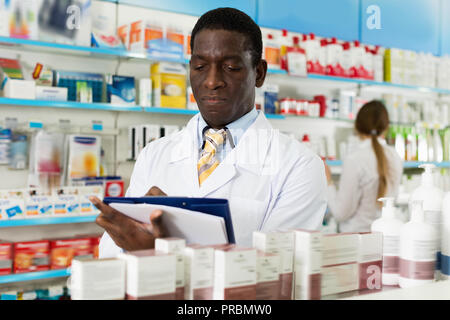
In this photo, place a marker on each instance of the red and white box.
(6, 261)
(150, 275)
(281, 243)
(31, 256)
(114, 188)
(174, 246)
(234, 274)
(370, 260)
(97, 279)
(267, 276)
(340, 263)
(307, 265)
(199, 272)
(63, 251)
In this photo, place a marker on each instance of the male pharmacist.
(229, 150)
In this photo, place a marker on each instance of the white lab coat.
(271, 180)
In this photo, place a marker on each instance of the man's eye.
(233, 68)
(199, 67)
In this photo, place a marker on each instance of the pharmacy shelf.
(362, 82)
(406, 165)
(34, 276)
(46, 221)
(34, 45)
(103, 106)
(67, 105)
(416, 164)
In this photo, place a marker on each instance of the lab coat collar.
(249, 154)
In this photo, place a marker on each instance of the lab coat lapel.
(249, 154)
(184, 157)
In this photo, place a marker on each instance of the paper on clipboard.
(193, 226)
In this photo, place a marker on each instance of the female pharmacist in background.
(373, 170)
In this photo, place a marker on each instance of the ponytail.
(372, 120)
(381, 167)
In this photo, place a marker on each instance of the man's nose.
(214, 79)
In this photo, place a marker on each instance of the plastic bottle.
(422, 146)
(390, 227)
(418, 242)
(445, 239)
(400, 143)
(437, 145)
(432, 198)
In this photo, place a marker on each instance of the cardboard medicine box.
(31, 256)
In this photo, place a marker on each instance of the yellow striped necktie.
(208, 158)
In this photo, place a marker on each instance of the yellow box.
(169, 85)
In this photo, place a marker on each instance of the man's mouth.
(213, 100)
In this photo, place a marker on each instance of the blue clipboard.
(212, 206)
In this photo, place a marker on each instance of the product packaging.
(191, 102)
(114, 187)
(62, 251)
(198, 272)
(169, 85)
(12, 204)
(51, 93)
(432, 197)
(390, 228)
(307, 265)
(98, 279)
(121, 90)
(370, 260)
(104, 21)
(66, 201)
(31, 256)
(19, 89)
(445, 241)
(84, 156)
(18, 152)
(86, 206)
(296, 59)
(271, 52)
(68, 22)
(145, 92)
(5, 146)
(150, 275)
(174, 246)
(267, 276)
(234, 273)
(22, 17)
(270, 98)
(339, 263)
(418, 248)
(38, 203)
(81, 86)
(281, 243)
(6, 258)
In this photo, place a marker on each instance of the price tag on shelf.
(97, 125)
(64, 124)
(35, 125)
(11, 123)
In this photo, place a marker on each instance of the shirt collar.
(237, 127)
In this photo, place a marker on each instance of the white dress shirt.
(270, 180)
(354, 205)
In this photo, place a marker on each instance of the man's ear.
(261, 72)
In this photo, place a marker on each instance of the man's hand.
(128, 233)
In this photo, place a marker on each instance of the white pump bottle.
(445, 238)
(418, 246)
(432, 198)
(390, 227)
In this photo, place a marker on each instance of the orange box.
(5, 258)
(31, 256)
(64, 250)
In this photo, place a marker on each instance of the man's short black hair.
(232, 20)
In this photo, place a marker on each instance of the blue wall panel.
(405, 24)
(327, 18)
(195, 7)
(445, 27)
